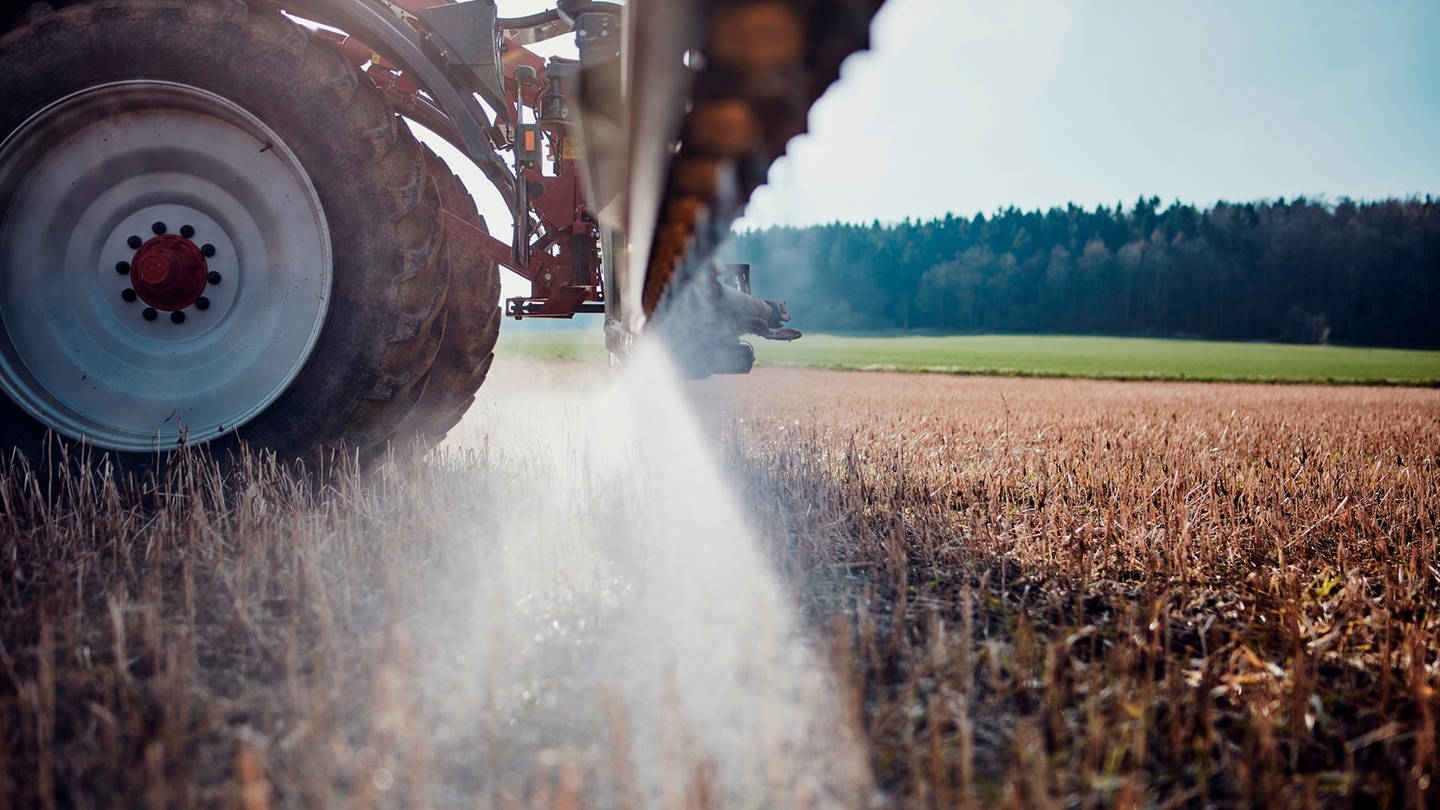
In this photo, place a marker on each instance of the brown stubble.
(183, 641)
(1089, 593)
(1034, 593)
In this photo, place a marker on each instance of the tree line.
(1359, 273)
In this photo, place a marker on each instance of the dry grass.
(195, 641)
(1040, 593)
(1085, 594)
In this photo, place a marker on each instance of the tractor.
(217, 227)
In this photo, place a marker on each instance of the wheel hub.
(168, 272)
(183, 335)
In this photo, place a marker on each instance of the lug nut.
(207, 250)
(177, 317)
(123, 268)
(213, 277)
(134, 242)
(128, 294)
(202, 303)
(149, 314)
(158, 228)
(187, 231)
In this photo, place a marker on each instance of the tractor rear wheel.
(213, 229)
(471, 319)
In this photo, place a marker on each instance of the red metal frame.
(562, 262)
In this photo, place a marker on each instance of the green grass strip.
(1110, 358)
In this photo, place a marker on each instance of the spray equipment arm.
(757, 316)
(752, 315)
(534, 28)
(555, 22)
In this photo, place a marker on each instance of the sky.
(970, 107)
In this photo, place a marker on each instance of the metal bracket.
(467, 35)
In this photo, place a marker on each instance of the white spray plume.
(619, 614)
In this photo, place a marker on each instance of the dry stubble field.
(1086, 593)
(1034, 593)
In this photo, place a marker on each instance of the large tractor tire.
(471, 319)
(213, 230)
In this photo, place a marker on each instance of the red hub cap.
(168, 272)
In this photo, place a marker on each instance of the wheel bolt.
(207, 250)
(202, 303)
(187, 231)
(177, 316)
(128, 294)
(213, 277)
(158, 228)
(123, 268)
(134, 242)
(149, 314)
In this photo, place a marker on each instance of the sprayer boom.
(625, 167)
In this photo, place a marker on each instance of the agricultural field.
(1057, 356)
(797, 588)
(1083, 593)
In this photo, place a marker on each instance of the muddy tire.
(251, 143)
(471, 320)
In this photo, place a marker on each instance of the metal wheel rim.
(81, 177)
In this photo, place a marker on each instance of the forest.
(1299, 271)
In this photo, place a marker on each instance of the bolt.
(202, 303)
(158, 228)
(134, 242)
(177, 317)
(149, 314)
(128, 294)
(207, 250)
(213, 277)
(123, 268)
(187, 231)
